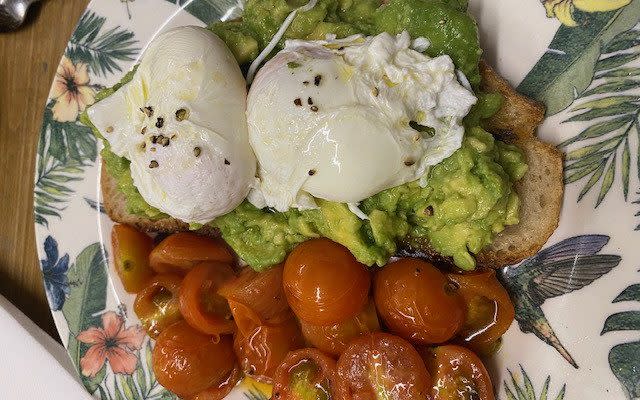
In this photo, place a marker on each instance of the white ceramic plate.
(577, 335)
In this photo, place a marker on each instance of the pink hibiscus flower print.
(111, 343)
(71, 90)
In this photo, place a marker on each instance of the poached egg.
(345, 119)
(181, 122)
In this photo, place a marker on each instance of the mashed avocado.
(467, 198)
(445, 23)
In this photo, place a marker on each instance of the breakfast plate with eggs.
(345, 199)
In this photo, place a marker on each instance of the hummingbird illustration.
(556, 270)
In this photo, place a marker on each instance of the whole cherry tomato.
(187, 362)
(324, 283)
(221, 390)
(200, 304)
(262, 351)
(305, 374)
(489, 308)
(131, 249)
(457, 374)
(415, 300)
(380, 365)
(257, 299)
(158, 305)
(181, 251)
(333, 339)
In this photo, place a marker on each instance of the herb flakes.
(182, 114)
(426, 130)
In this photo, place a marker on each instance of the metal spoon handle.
(13, 13)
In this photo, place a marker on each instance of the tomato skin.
(414, 300)
(246, 319)
(381, 362)
(221, 390)
(200, 304)
(321, 374)
(333, 339)
(257, 299)
(158, 305)
(489, 308)
(183, 361)
(482, 349)
(131, 249)
(180, 252)
(324, 283)
(457, 373)
(264, 349)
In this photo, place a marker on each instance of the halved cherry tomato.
(201, 306)
(187, 362)
(181, 251)
(482, 349)
(257, 299)
(380, 365)
(333, 339)
(158, 305)
(457, 374)
(131, 249)
(262, 351)
(415, 301)
(489, 308)
(324, 283)
(246, 319)
(221, 390)
(305, 374)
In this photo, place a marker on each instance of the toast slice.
(540, 190)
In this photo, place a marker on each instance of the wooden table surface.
(28, 61)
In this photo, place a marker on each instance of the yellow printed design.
(255, 390)
(564, 9)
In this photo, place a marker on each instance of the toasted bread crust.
(540, 190)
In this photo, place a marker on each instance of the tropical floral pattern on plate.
(67, 147)
(559, 269)
(516, 390)
(591, 70)
(71, 91)
(588, 77)
(111, 343)
(624, 358)
(565, 10)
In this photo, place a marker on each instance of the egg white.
(346, 135)
(208, 167)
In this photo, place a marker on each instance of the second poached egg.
(342, 120)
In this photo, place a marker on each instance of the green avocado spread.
(467, 198)
(445, 23)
